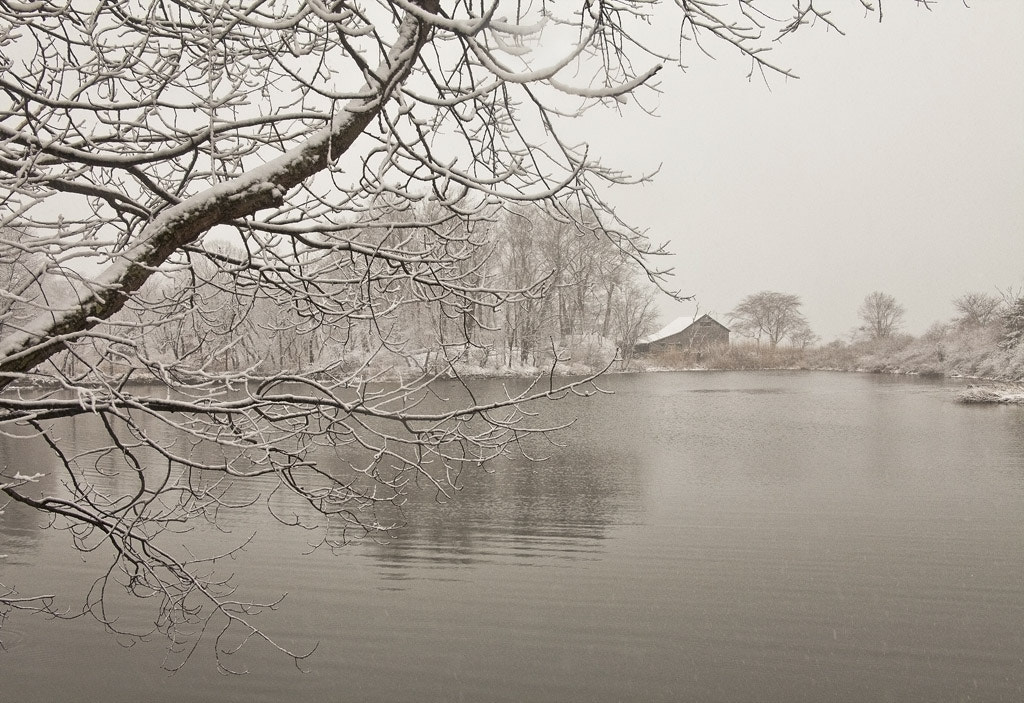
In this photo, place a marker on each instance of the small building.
(685, 335)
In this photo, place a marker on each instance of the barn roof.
(675, 327)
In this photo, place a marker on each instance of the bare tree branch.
(246, 242)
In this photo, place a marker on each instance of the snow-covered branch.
(248, 242)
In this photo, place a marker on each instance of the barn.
(687, 335)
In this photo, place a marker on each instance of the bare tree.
(136, 138)
(769, 314)
(634, 314)
(976, 309)
(803, 336)
(524, 267)
(1013, 324)
(881, 314)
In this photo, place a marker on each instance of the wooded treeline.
(531, 289)
(984, 339)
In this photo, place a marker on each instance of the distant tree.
(977, 309)
(1013, 325)
(936, 332)
(881, 314)
(769, 314)
(803, 336)
(525, 268)
(22, 280)
(634, 315)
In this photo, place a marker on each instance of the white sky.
(895, 163)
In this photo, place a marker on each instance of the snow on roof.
(677, 325)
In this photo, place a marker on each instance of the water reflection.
(530, 513)
(711, 537)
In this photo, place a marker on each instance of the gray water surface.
(698, 537)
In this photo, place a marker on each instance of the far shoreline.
(985, 391)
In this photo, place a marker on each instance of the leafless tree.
(976, 309)
(769, 314)
(881, 314)
(1013, 324)
(346, 153)
(803, 336)
(633, 313)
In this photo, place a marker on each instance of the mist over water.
(697, 536)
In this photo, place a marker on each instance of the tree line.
(985, 337)
(777, 316)
(555, 290)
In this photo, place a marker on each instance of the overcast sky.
(895, 163)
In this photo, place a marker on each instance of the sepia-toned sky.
(895, 163)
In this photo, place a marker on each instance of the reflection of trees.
(561, 507)
(555, 508)
(551, 509)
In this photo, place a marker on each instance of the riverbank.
(976, 355)
(1010, 393)
(969, 357)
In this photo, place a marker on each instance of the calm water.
(699, 537)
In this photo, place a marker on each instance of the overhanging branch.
(237, 198)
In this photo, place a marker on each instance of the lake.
(783, 537)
